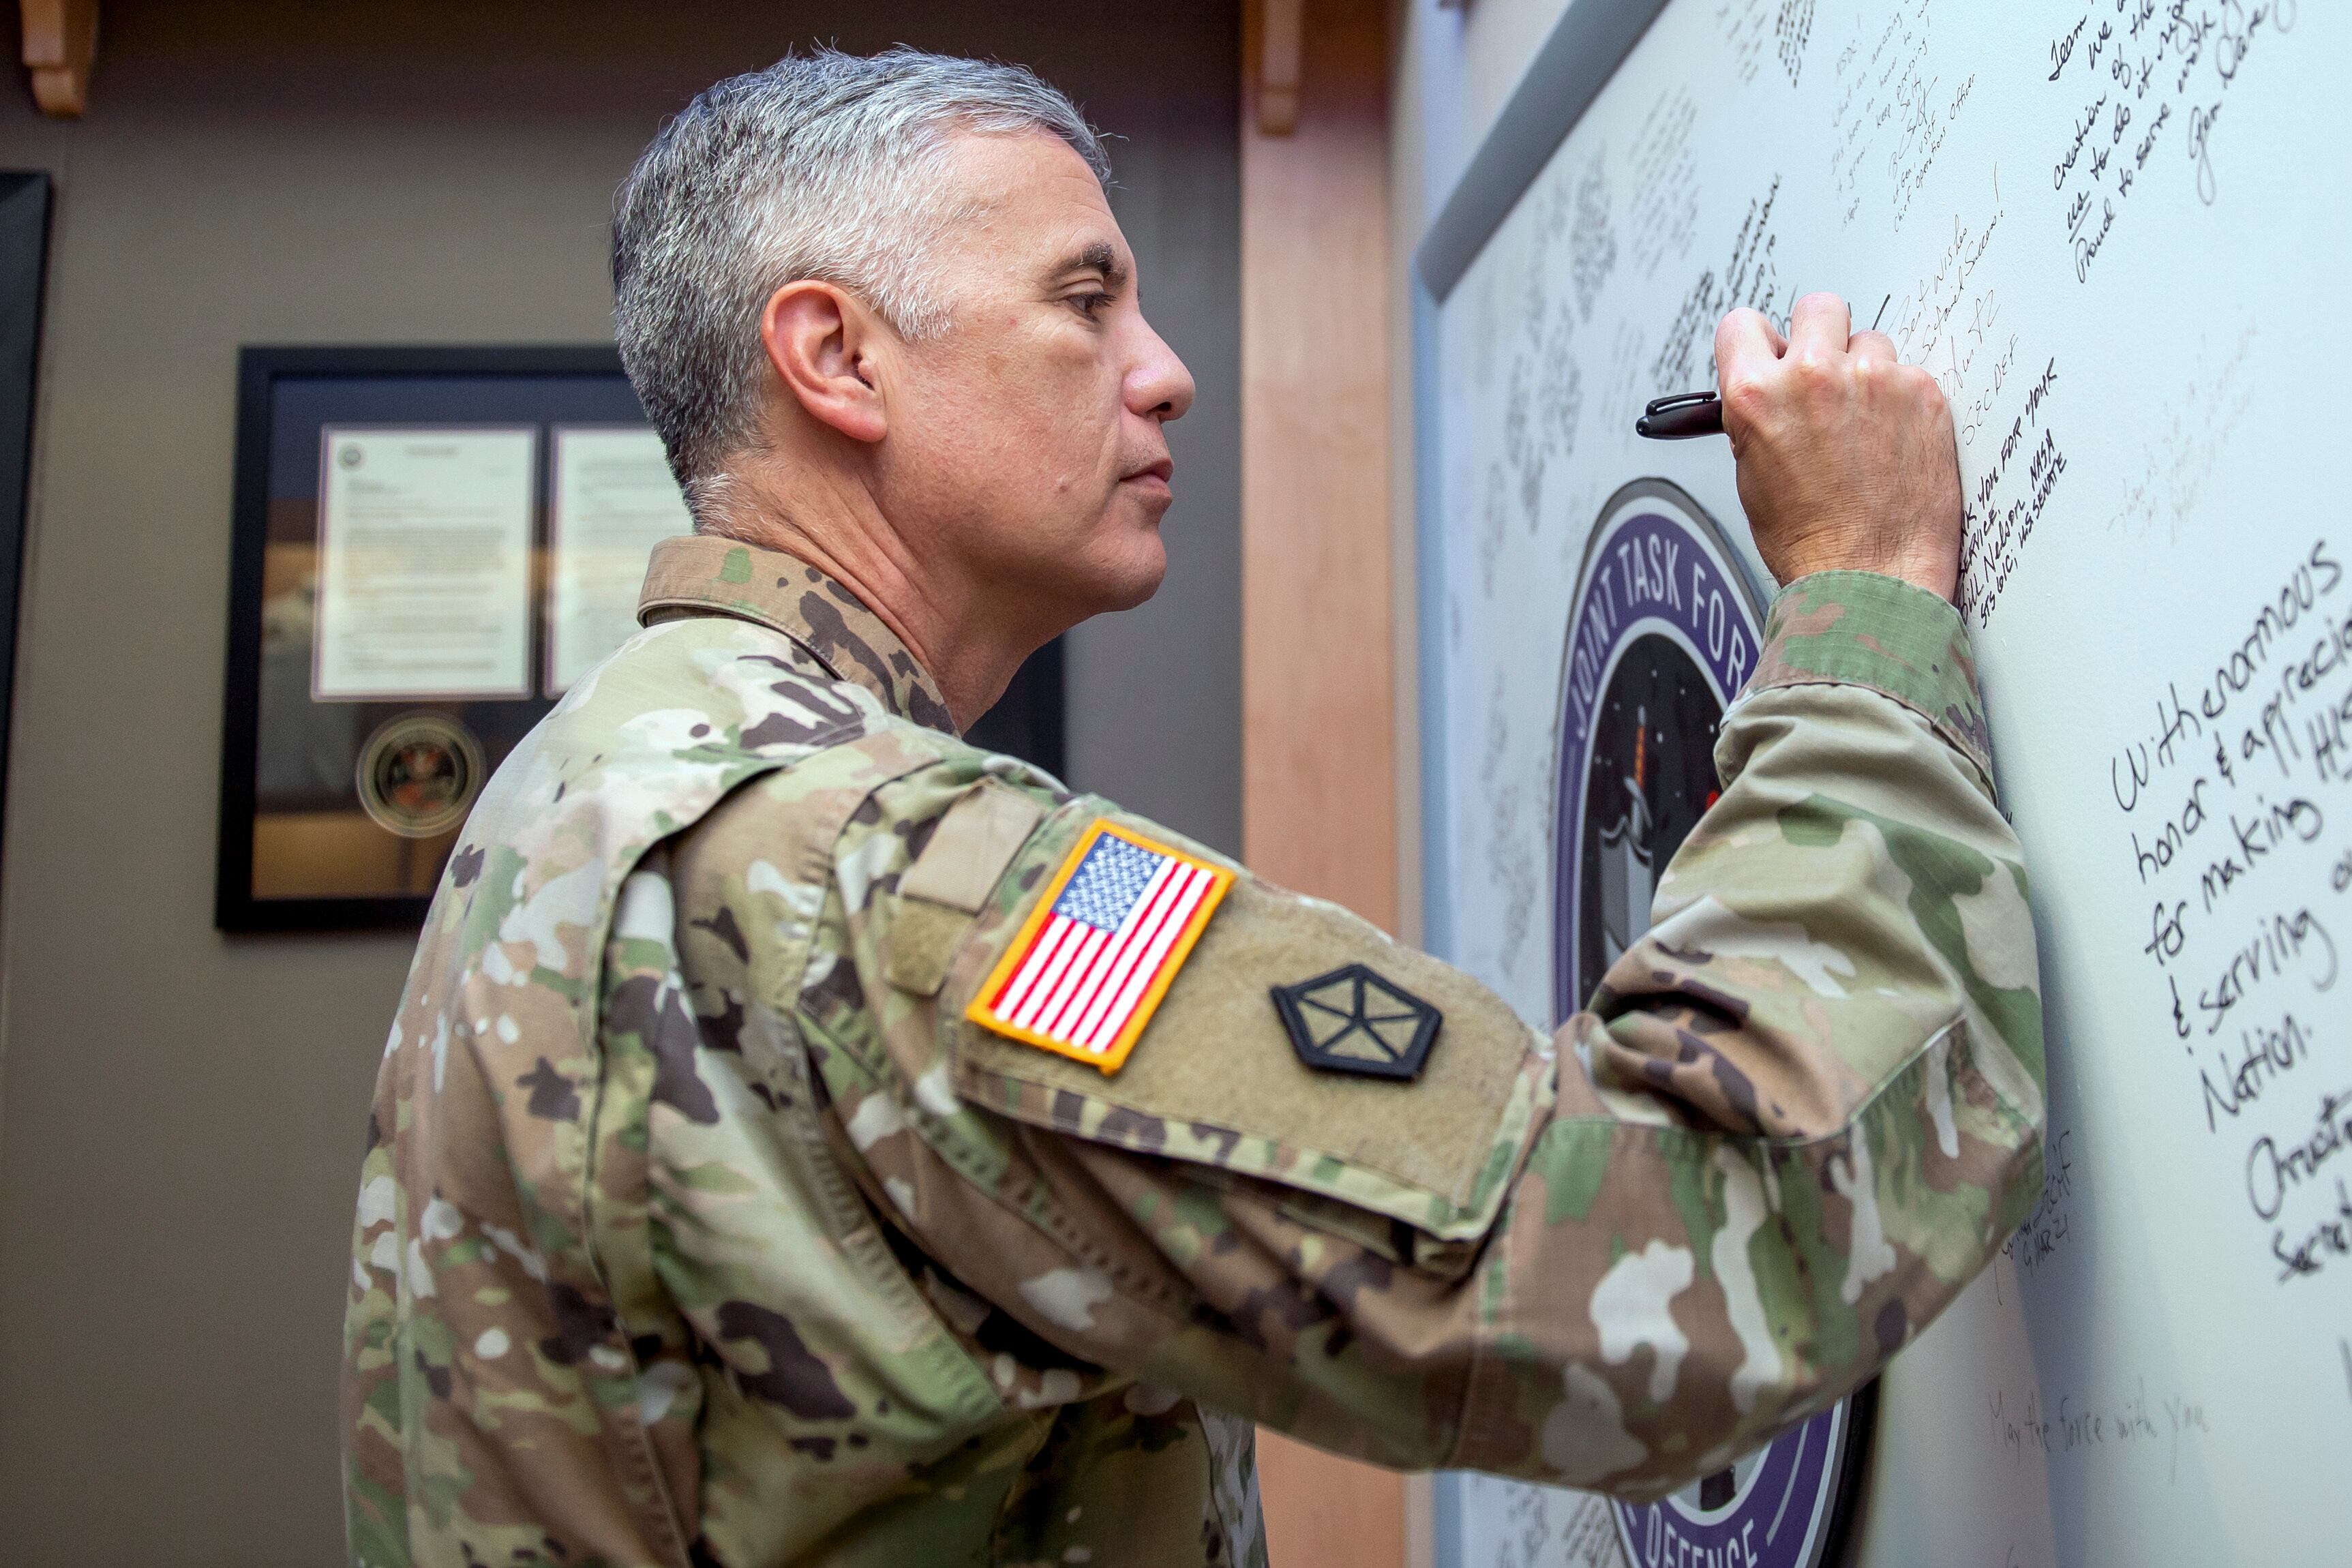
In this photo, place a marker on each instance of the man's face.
(1024, 441)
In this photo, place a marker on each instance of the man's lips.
(1159, 473)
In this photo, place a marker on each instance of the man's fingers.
(1872, 346)
(1745, 346)
(1820, 326)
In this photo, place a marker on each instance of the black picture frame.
(26, 200)
(262, 442)
(284, 396)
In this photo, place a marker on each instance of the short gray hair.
(825, 166)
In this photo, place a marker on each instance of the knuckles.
(1777, 400)
(1814, 377)
(1915, 384)
(1913, 380)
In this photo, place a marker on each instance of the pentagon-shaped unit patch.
(1352, 1021)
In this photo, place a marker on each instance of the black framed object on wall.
(430, 546)
(25, 201)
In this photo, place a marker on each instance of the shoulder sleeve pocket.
(1219, 1079)
(951, 880)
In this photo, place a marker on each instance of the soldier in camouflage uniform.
(701, 1224)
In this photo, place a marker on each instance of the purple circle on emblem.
(1777, 1509)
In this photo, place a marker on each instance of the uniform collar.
(703, 574)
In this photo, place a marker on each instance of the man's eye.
(1091, 305)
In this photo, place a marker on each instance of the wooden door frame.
(1319, 623)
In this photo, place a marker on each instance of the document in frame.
(614, 501)
(424, 563)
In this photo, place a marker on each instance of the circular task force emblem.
(1787, 1505)
(418, 774)
(1664, 631)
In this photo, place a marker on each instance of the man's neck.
(838, 528)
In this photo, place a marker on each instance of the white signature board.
(2116, 231)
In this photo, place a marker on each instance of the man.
(807, 1139)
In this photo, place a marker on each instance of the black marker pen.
(1680, 416)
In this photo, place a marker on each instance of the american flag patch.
(1084, 973)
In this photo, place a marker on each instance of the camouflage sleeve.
(1799, 1116)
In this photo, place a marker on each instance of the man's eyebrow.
(1095, 257)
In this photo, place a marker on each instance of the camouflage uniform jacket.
(697, 1225)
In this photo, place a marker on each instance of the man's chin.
(1126, 576)
(1132, 588)
(1109, 572)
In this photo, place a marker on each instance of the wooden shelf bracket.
(1278, 60)
(60, 43)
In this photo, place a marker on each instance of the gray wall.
(183, 1113)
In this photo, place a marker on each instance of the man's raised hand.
(1846, 456)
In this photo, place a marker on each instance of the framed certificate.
(424, 563)
(613, 501)
(393, 627)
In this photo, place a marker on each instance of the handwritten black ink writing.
(2152, 79)
(2322, 1242)
(1993, 535)
(2257, 837)
(2274, 1172)
(2062, 49)
(2281, 945)
(2264, 1055)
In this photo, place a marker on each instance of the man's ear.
(822, 342)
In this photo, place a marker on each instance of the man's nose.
(1158, 386)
